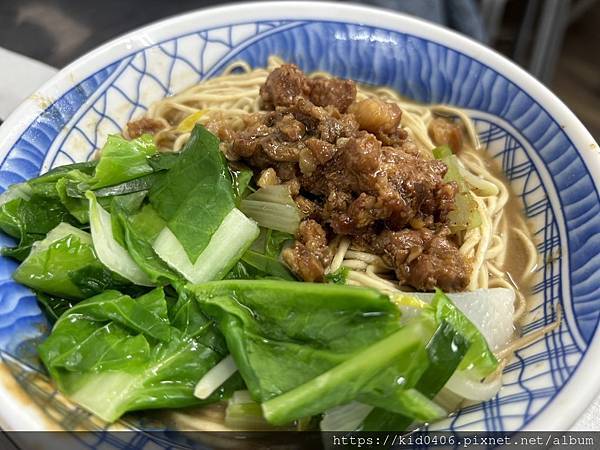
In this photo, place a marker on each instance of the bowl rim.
(22, 417)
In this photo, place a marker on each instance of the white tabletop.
(21, 76)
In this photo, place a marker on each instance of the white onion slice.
(490, 310)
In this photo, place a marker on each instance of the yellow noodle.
(532, 255)
(531, 337)
(477, 274)
(355, 264)
(340, 254)
(521, 307)
(373, 282)
(366, 257)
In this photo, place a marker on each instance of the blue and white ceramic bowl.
(552, 163)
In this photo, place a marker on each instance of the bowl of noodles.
(297, 217)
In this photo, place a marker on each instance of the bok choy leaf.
(29, 210)
(205, 235)
(263, 260)
(284, 334)
(113, 354)
(196, 195)
(109, 251)
(138, 232)
(455, 346)
(29, 218)
(346, 381)
(241, 179)
(479, 360)
(56, 173)
(64, 264)
(490, 310)
(157, 162)
(227, 245)
(304, 348)
(78, 207)
(122, 160)
(53, 307)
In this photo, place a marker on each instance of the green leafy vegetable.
(130, 204)
(29, 210)
(29, 220)
(16, 191)
(283, 334)
(76, 188)
(306, 348)
(243, 271)
(347, 380)
(266, 266)
(35, 214)
(186, 316)
(339, 276)
(275, 241)
(409, 403)
(196, 194)
(262, 260)
(20, 251)
(59, 172)
(109, 251)
(227, 245)
(243, 413)
(246, 416)
(446, 350)
(147, 222)
(54, 307)
(139, 231)
(64, 264)
(455, 343)
(163, 161)
(479, 360)
(122, 160)
(78, 207)
(142, 184)
(114, 354)
(241, 180)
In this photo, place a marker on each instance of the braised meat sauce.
(353, 171)
(142, 126)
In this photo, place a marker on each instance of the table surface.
(27, 74)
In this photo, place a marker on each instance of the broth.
(515, 262)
